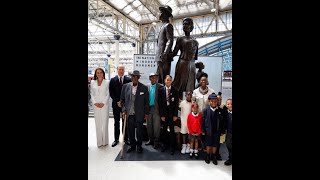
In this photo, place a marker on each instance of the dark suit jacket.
(172, 110)
(164, 41)
(115, 89)
(156, 104)
(141, 103)
(212, 126)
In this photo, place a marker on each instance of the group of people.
(203, 119)
(158, 103)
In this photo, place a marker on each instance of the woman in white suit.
(202, 93)
(100, 100)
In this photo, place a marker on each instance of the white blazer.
(202, 100)
(100, 94)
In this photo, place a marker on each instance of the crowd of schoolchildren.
(206, 126)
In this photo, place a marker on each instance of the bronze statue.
(185, 73)
(164, 44)
(200, 66)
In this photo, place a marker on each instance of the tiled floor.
(101, 164)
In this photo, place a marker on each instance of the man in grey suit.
(164, 43)
(135, 104)
(153, 123)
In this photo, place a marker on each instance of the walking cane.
(124, 133)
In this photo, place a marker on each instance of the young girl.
(212, 127)
(194, 127)
(224, 112)
(185, 106)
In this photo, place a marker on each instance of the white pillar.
(116, 61)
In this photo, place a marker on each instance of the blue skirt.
(212, 140)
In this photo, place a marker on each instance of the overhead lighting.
(213, 10)
(154, 23)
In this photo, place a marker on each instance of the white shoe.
(183, 150)
(188, 148)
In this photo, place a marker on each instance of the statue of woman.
(185, 72)
(200, 66)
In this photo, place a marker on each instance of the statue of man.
(164, 43)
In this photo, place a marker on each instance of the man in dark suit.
(153, 122)
(135, 105)
(164, 43)
(168, 109)
(115, 87)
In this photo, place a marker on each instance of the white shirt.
(134, 88)
(168, 103)
(168, 88)
(195, 115)
(120, 79)
(213, 109)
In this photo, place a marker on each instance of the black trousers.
(169, 138)
(229, 144)
(163, 69)
(218, 149)
(135, 128)
(116, 115)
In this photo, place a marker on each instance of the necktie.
(121, 81)
(168, 96)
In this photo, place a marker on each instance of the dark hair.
(95, 74)
(199, 65)
(168, 76)
(194, 104)
(219, 93)
(189, 20)
(203, 74)
(189, 92)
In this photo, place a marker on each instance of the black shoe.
(114, 143)
(127, 142)
(219, 158)
(132, 148)
(149, 143)
(196, 155)
(228, 162)
(191, 155)
(156, 146)
(139, 149)
(214, 159)
(172, 152)
(163, 148)
(207, 159)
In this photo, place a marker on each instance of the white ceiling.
(140, 13)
